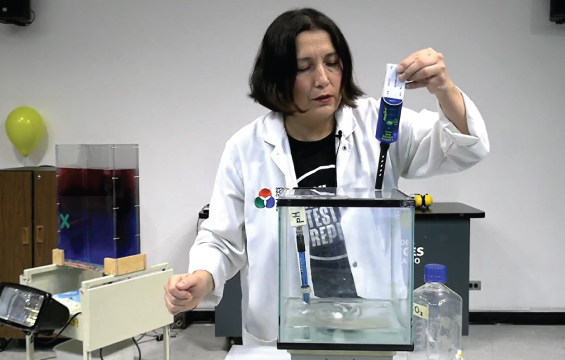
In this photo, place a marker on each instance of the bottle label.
(421, 311)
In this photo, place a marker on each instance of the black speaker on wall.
(16, 12)
(557, 11)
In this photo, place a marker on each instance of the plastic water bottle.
(437, 318)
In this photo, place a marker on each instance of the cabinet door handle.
(39, 234)
(25, 236)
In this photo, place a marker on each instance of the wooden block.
(125, 265)
(58, 257)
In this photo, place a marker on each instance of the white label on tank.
(297, 216)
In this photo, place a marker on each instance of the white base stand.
(112, 308)
(340, 355)
(240, 352)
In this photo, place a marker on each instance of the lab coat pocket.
(260, 319)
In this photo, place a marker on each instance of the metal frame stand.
(113, 308)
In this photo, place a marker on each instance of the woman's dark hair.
(274, 72)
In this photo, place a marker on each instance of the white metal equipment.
(112, 307)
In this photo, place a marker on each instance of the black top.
(449, 210)
(314, 162)
(314, 165)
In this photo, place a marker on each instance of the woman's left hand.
(425, 68)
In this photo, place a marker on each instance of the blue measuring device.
(389, 117)
(302, 265)
(297, 220)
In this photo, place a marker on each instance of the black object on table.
(442, 234)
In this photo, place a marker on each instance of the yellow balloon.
(25, 128)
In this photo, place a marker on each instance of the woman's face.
(318, 79)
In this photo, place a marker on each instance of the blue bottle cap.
(435, 273)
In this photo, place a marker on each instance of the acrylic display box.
(98, 201)
(345, 269)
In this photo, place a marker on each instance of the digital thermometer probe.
(297, 220)
(389, 117)
(302, 265)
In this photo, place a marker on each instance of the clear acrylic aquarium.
(345, 269)
(98, 201)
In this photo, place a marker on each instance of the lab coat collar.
(273, 131)
(273, 128)
(345, 121)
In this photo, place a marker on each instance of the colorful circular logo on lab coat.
(265, 199)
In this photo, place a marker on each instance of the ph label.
(297, 216)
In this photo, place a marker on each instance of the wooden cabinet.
(28, 223)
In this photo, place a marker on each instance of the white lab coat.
(239, 236)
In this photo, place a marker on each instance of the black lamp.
(30, 310)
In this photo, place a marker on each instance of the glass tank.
(345, 269)
(98, 201)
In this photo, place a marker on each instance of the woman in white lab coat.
(319, 132)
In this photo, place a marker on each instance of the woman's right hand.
(184, 292)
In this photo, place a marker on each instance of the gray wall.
(172, 76)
